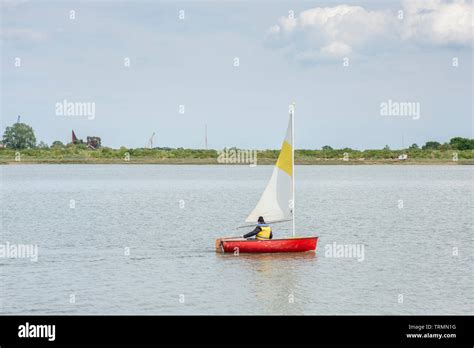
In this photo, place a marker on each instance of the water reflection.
(275, 279)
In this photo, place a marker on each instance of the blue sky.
(283, 56)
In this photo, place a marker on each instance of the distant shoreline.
(323, 162)
(78, 154)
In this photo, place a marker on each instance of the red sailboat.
(284, 245)
(275, 205)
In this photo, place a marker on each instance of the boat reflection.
(276, 280)
(269, 256)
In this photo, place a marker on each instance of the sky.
(173, 67)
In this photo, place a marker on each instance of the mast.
(293, 160)
(149, 144)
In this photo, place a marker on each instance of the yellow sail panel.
(285, 160)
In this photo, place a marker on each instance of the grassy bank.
(76, 154)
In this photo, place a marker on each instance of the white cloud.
(331, 31)
(438, 22)
(22, 34)
(12, 3)
(337, 49)
(334, 32)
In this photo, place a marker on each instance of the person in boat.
(263, 231)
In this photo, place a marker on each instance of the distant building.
(76, 140)
(93, 142)
(403, 157)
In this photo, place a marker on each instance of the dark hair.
(260, 220)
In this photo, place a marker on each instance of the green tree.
(445, 147)
(19, 136)
(431, 145)
(386, 148)
(459, 143)
(42, 145)
(327, 148)
(57, 143)
(413, 147)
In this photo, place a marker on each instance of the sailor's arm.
(253, 233)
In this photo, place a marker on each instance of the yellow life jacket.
(265, 233)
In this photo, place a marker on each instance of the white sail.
(277, 200)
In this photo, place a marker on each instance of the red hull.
(288, 245)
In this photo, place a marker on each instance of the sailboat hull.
(287, 245)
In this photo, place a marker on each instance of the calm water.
(169, 216)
